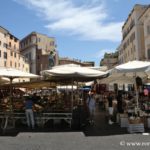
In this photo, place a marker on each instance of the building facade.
(145, 20)
(110, 60)
(40, 50)
(132, 46)
(66, 60)
(10, 56)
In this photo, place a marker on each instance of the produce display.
(52, 103)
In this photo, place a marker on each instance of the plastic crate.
(136, 128)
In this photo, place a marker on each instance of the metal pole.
(72, 96)
(137, 96)
(11, 95)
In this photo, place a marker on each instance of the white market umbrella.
(73, 71)
(136, 67)
(133, 66)
(13, 73)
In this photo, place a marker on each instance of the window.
(148, 29)
(22, 45)
(11, 37)
(39, 39)
(15, 46)
(148, 53)
(15, 64)
(132, 37)
(15, 40)
(11, 53)
(29, 56)
(9, 44)
(15, 55)
(0, 53)
(5, 45)
(0, 42)
(5, 55)
(19, 64)
(29, 40)
(10, 63)
(26, 56)
(5, 63)
(52, 43)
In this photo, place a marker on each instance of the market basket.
(135, 121)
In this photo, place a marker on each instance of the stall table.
(40, 118)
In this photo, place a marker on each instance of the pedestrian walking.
(91, 106)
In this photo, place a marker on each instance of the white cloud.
(86, 19)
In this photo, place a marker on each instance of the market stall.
(8, 116)
(134, 113)
(73, 73)
(54, 105)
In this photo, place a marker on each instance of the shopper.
(91, 106)
(120, 101)
(29, 112)
(110, 108)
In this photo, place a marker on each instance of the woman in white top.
(91, 105)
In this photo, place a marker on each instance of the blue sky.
(84, 29)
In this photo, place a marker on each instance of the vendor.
(29, 112)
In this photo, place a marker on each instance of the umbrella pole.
(137, 97)
(72, 96)
(9, 118)
(11, 95)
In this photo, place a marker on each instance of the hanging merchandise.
(120, 87)
(111, 87)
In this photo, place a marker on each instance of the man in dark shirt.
(29, 112)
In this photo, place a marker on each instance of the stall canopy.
(148, 71)
(3, 80)
(122, 79)
(133, 66)
(13, 73)
(75, 72)
(138, 68)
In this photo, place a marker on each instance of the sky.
(83, 29)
